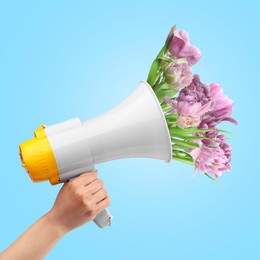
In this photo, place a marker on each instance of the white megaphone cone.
(136, 128)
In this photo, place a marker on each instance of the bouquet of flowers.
(192, 109)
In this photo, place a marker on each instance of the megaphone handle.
(103, 218)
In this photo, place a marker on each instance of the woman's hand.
(79, 201)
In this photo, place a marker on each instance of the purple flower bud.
(180, 47)
(178, 75)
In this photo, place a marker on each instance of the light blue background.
(63, 59)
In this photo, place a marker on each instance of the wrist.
(52, 219)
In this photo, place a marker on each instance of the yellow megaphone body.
(136, 128)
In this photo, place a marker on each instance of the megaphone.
(136, 128)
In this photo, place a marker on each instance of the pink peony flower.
(212, 157)
(190, 114)
(186, 108)
(200, 105)
(191, 104)
(178, 75)
(180, 47)
(188, 121)
(221, 109)
(196, 92)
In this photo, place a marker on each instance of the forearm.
(77, 203)
(36, 242)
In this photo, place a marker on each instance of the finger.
(100, 195)
(94, 186)
(85, 178)
(103, 204)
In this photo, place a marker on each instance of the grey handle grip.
(103, 218)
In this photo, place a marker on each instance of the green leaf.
(183, 160)
(165, 86)
(153, 73)
(162, 86)
(170, 39)
(186, 131)
(157, 79)
(211, 178)
(184, 143)
(171, 116)
(176, 146)
(166, 110)
(171, 124)
(165, 59)
(162, 92)
(156, 65)
(162, 51)
(182, 154)
(192, 137)
(225, 131)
